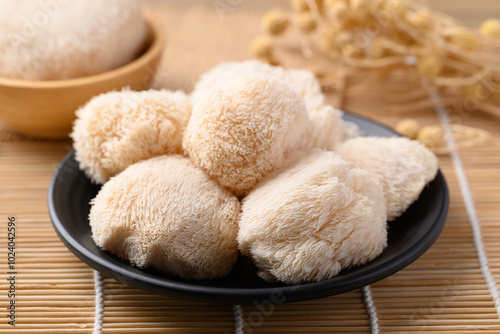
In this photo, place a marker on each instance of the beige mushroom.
(240, 133)
(168, 214)
(402, 166)
(117, 129)
(54, 40)
(328, 128)
(312, 218)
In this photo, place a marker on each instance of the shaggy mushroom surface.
(312, 218)
(240, 133)
(402, 166)
(302, 82)
(328, 128)
(168, 214)
(117, 129)
(55, 40)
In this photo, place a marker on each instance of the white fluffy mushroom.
(117, 129)
(167, 214)
(51, 40)
(403, 167)
(328, 127)
(219, 77)
(312, 218)
(240, 133)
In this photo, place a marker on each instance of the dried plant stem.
(489, 108)
(375, 39)
(476, 77)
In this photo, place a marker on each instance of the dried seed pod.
(464, 40)
(408, 128)
(307, 23)
(220, 77)
(431, 136)
(327, 40)
(419, 19)
(336, 9)
(299, 5)
(261, 47)
(354, 20)
(378, 49)
(429, 66)
(490, 27)
(318, 72)
(275, 22)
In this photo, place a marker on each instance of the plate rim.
(308, 291)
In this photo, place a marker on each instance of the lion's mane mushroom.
(240, 134)
(328, 127)
(303, 82)
(54, 40)
(117, 129)
(403, 167)
(310, 219)
(168, 214)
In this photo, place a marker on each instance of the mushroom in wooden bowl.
(41, 100)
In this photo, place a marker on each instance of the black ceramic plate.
(409, 237)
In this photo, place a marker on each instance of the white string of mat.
(99, 302)
(238, 319)
(468, 200)
(370, 309)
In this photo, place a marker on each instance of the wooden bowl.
(46, 109)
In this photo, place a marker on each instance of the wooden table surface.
(450, 289)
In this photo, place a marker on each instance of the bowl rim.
(153, 50)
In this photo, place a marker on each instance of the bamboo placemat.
(444, 291)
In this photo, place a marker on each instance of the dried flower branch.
(343, 38)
